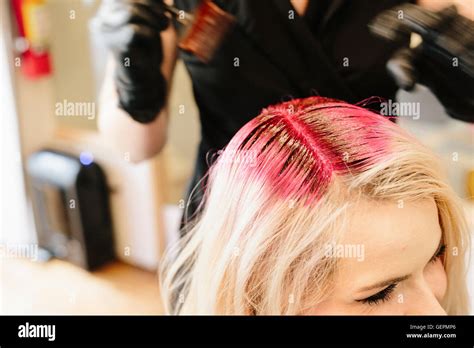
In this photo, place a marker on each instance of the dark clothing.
(271, 56)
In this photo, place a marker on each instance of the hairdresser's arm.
(140, 141)
(465, 7)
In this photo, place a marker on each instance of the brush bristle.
(210, 27)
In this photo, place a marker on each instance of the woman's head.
(317, 206)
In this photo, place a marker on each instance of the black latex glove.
(131, 30)
(444, 61)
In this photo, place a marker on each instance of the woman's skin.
(399, 241)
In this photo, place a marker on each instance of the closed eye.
(382, 296)
(439, 254)
(385, 294)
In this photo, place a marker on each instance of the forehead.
(389, 238)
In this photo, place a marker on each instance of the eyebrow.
(399, 279)
(385, 283)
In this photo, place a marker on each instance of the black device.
(70, 201)
(443, 60)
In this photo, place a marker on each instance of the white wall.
(13, 210)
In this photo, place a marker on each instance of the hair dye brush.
(204, 30)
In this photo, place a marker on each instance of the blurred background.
(51, 74)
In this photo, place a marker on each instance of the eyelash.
(385, 294)
(439, 254)
(381, 296)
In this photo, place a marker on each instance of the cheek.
(328, 307)
(333, 306)
(435, 276)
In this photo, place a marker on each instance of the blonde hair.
(281, 190)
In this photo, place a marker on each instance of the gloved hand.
(444, 61)
(131, 30)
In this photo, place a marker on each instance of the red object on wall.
(36, 65)
(16, 5)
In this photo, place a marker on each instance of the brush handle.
(172, 10)
(178, 15)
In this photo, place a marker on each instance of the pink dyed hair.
(302, 151)
(321, 135)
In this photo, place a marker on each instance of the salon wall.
(73, 77)
(158, 185)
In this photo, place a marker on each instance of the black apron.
(273, 55)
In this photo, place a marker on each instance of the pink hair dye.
(300, 145)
